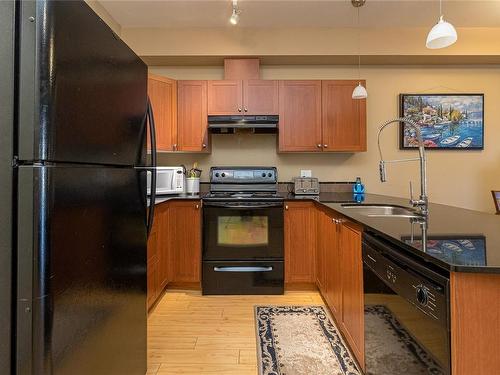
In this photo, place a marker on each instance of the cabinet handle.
(204, 145)
(319, 145)
(239, 109)
(246, 109)
(286, 207)
(197, 206)
(325, 146)
(174, 146)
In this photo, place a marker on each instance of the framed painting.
(448, 121)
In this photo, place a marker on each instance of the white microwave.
(169, 180)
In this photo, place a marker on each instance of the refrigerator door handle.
(152, 198)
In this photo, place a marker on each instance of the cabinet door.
(162, 93)
(321, 246)
(300, 242)
(344, 118)
(192, 131)
(164, 253)
(352, 289)
(300, 116)
(152, 264)
(225, 97)
(333, 278)
(185, 234)
(260, 97)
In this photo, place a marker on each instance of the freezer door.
(81, 303)
(6, 177)
(83, 91)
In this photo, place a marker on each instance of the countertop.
(457, 239)
(163, 198)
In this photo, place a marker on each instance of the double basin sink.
(382, 210)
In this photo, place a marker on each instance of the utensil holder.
(193, 185)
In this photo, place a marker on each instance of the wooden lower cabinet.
(153, 278)
(300, 242)
(174, 246)
(185, 238)
(352, 289)
(339, 275)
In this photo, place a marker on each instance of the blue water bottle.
(358, 187)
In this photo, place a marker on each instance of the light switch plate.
(305, 173)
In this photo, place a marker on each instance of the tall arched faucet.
(422, 202)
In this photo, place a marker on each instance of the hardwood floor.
(193, 334)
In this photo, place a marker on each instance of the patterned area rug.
(300, 340)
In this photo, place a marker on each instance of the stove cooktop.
(248, 195)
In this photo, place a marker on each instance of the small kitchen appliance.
(305, 186)
(169, 180)
(243, 232)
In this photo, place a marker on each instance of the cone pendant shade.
(442, 35)
(359, 92)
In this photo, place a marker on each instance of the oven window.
(242, 231)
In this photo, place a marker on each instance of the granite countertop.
(163, 198)
(457, 239)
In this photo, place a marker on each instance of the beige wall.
(229, 41)
(457, 178)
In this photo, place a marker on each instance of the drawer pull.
(243, 269)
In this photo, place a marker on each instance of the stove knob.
(269, 174)
(263, 174)
(217, 174)
(422, 295)
(223, 174)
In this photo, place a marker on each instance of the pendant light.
(235, 15)
(359, 91)
(443, 34)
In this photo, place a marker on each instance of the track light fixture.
(235, 15)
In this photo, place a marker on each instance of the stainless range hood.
(232, 123)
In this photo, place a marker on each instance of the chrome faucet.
(422, 203)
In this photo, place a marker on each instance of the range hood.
(232, 123)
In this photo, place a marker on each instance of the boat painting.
(447, 121)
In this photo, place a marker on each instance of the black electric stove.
(243, 232)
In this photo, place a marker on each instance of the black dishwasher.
(407, 325)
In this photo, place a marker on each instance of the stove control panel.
(243, 175)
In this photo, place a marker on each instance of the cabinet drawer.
(261, 277)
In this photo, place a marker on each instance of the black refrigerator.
(73, 219)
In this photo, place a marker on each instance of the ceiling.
(301, 13)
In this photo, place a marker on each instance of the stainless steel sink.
(382, 210)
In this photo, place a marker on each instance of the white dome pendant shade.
(359, 92)
(442, 35)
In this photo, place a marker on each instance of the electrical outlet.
(305, 173)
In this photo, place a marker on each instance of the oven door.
(242, 230)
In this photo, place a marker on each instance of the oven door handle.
(242, 269)
(244, 207)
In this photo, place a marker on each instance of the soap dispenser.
(358, 187)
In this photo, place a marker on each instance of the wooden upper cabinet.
(162, 93)
(352, 289)
(300, 116)
(260, 97)
(185, 237)
(344, 118)
(300, 242)
(225, 97)
(192, 130)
